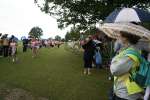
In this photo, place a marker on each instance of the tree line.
(85, 13)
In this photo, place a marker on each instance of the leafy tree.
(68, 36)
(74, 34)
(63, 39)
(50, 38)
(85, 13)
(36, 32)
(58, 38)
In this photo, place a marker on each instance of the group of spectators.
(27, 43)
(51, 43)
(8, 46)
(95, 50)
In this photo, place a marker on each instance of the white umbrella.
(128, 15)
(111, 29)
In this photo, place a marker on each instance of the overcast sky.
(17, 17)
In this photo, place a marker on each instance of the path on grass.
(55, 74)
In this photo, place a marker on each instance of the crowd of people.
(35, 44)
(8, 45)
(95, 48)
(38, 43)
(122, 63)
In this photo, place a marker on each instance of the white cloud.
(19, 16)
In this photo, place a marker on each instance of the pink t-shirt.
(13, 45)
(13, 48)
(33, 43)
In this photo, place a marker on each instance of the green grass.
(56, 74)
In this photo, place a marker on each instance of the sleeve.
(116, 46)
(123, 65)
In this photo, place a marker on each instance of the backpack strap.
(134, 52)
(134, 55)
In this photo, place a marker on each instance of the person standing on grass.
(121, 66)
(13, 45)
(89, 48)
(58, 44)
(25, 44)
(34, 47)
(5, 45)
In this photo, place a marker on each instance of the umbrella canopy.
(128, 15)
(112, 29)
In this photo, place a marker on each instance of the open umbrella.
(128, 15)
(111, 29)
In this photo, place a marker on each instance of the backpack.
(142, 73)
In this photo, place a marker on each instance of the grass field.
(55, 74)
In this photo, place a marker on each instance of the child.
(13, 46)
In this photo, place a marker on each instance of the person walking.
(25, 44)
(5, 45)
(121, 66)
(34, 47)
(13, 45)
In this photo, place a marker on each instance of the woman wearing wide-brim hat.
(121, 66)
(123, 63)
